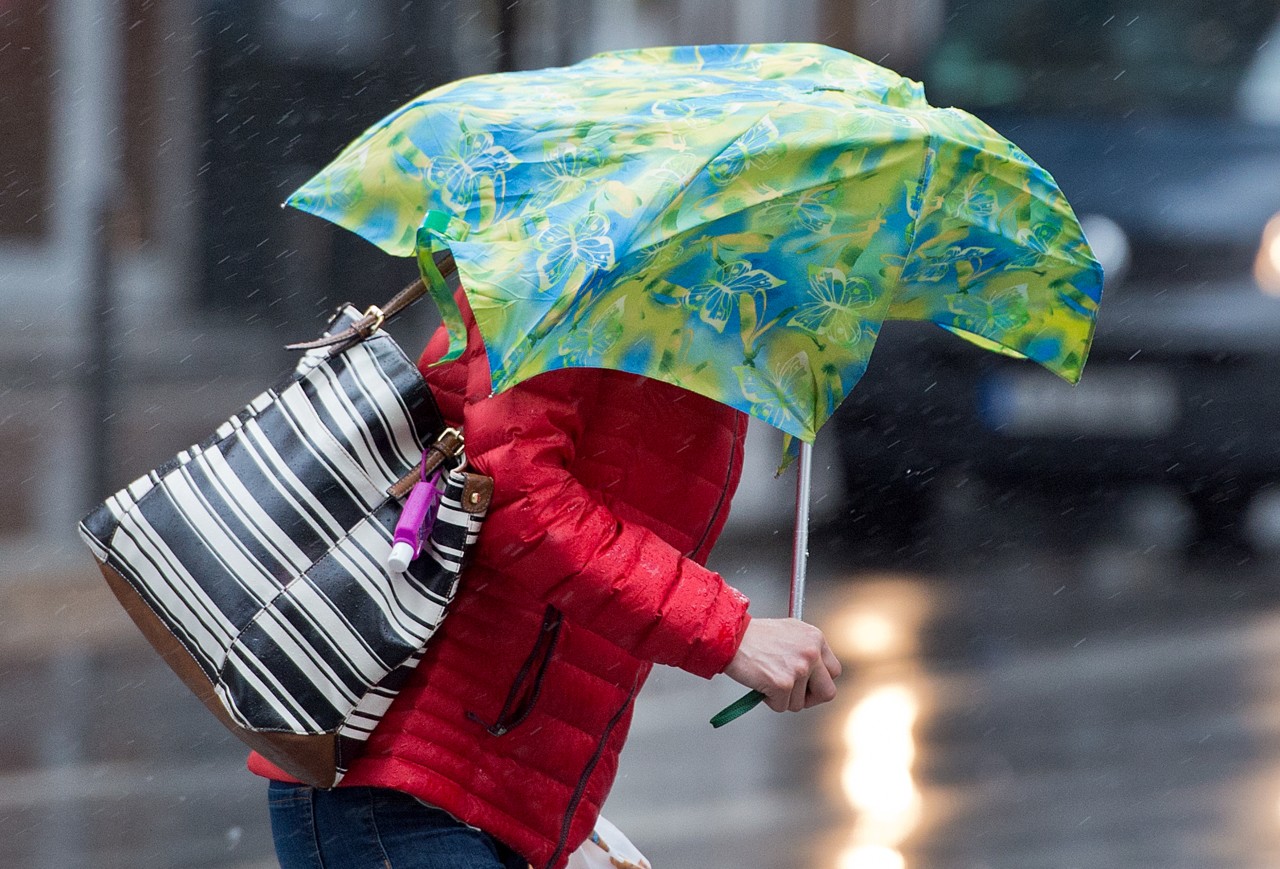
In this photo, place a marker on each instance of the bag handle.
(375, 316)
(449, 445)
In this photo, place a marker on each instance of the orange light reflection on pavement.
(876, 777)
(877, 629)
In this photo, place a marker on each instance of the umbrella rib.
(923, 181)
(683, 188)
(926, 172)
(622, 243)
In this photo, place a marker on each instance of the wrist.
(712, 654)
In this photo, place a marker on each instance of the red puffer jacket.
(610, 491)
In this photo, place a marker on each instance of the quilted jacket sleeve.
(615, 577)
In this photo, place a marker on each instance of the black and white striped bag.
(255, 562)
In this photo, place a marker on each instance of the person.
(610, 490)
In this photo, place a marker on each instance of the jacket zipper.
(586, 776)
(519, 702)
(617, 716)
(724, 490)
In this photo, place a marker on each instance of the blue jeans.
(375, 828)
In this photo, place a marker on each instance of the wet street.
(1005, 705)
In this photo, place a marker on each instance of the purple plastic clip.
(416, 519)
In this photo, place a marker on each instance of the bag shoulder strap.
(375, 316)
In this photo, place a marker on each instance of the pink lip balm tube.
(414, 525)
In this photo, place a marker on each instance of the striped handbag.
(255, 561)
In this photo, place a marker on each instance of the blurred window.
(331, 34)
(25, 110)
(1168, 57)
(27, 89)
(143, 138)
(18, 445)
(1260, 91)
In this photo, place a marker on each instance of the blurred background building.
(149, 273)
(145, 146)
(149, 279)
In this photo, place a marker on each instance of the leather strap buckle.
(378, 319)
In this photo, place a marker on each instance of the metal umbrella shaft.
(800, 536)
(799, 564)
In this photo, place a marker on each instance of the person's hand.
(788, 661)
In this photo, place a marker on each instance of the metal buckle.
(459, 453)
(378, 318)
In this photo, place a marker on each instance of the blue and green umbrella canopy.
(736, 220)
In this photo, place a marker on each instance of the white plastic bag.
(607, 848)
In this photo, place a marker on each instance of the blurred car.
(1161, 123)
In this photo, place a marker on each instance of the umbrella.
(736, 220)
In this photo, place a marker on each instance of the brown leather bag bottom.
(310, 759)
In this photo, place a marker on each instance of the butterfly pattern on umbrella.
(738, 220)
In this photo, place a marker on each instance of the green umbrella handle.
(737, 708)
